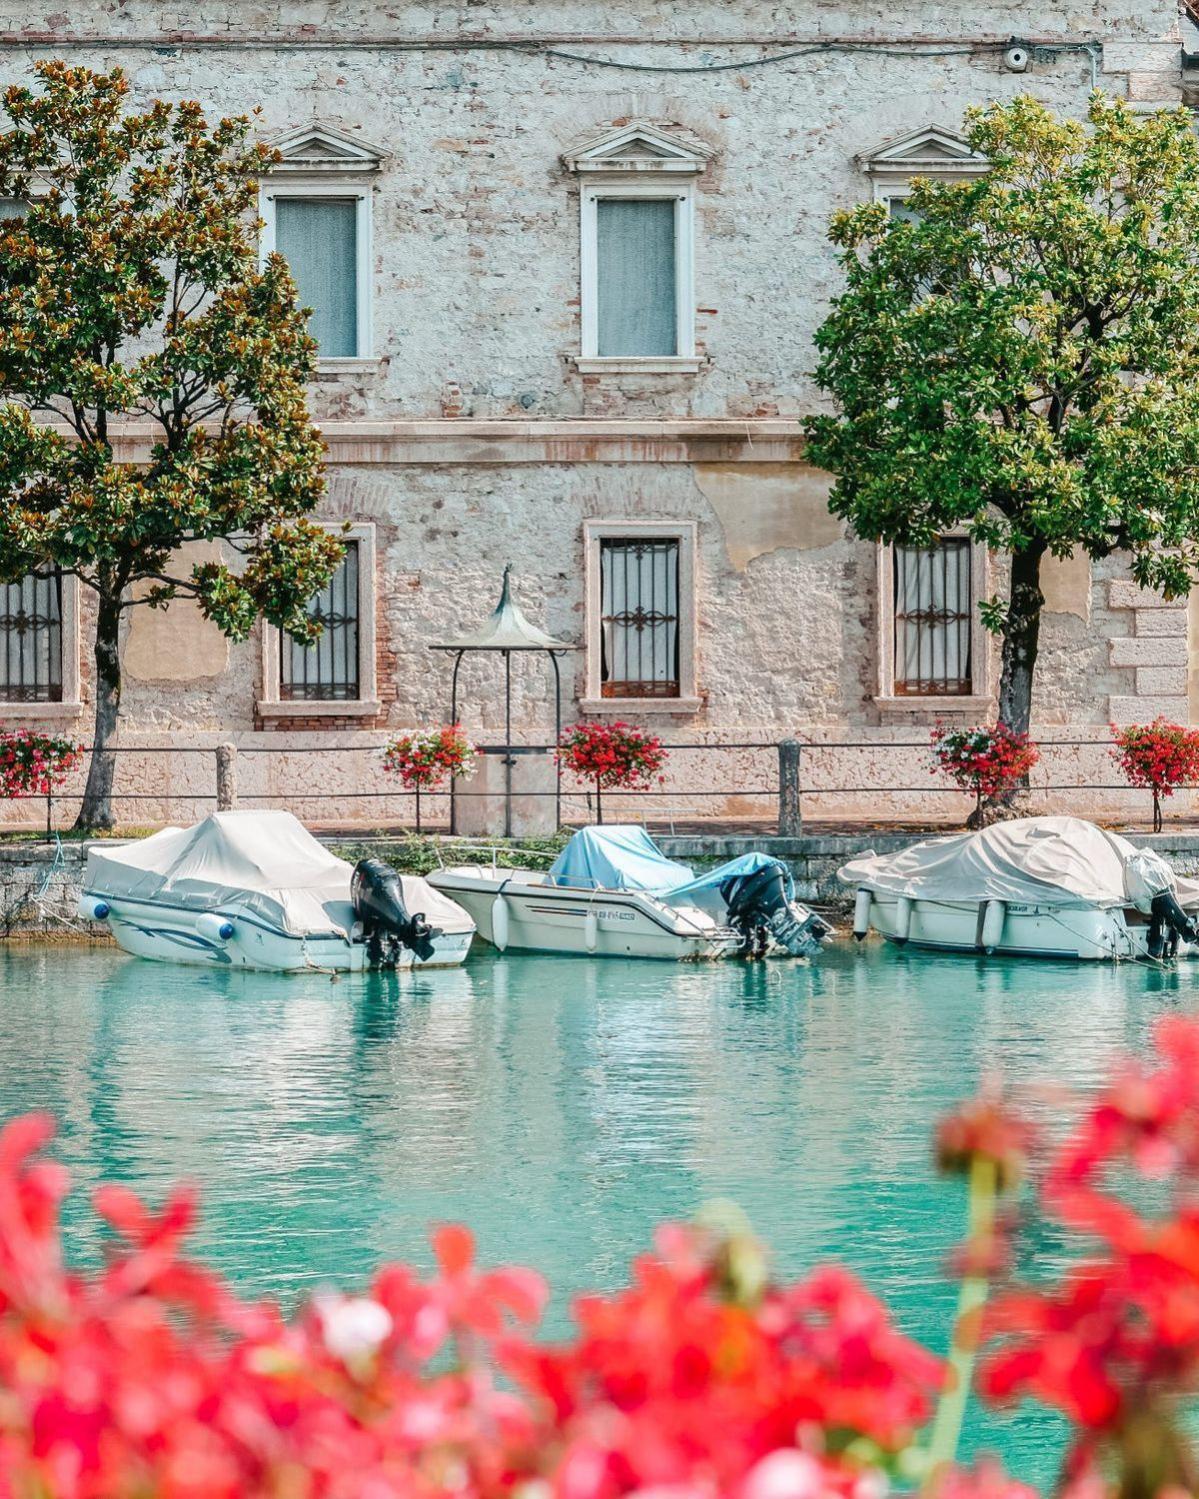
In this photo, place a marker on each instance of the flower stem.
(951, 1408)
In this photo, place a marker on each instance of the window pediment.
(931, 151)
(321, 150)
(638, 148)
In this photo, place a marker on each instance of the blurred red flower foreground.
(703, 1379)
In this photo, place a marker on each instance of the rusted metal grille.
(327, 671)
(933, 617)
(639, 617)
(31, 639)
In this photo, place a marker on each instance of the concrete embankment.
(40, 883)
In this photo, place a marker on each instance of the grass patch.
(421, 855)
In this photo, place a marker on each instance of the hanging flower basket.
(1157, 757)
(989, 762)
(614, 756)
(425, 761)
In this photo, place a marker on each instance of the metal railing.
(779, 785)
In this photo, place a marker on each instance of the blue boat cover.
(616, 858)
(626, 858)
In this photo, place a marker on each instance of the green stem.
(951, 1408)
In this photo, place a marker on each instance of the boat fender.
(903, 918)
(861, 914)
(499, 921)
(215, 927)
(591, 930)
(93, 908)
(994, 912)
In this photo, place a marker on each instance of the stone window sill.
(329, 369)
(299, 708)
(642, 705)
(63, 712)
(677, 365)
(927, 705)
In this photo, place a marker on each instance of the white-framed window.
(933, 650)
(640, 605)
(316, 209)
(39, 645)
(637, 250)
(930, 151)
(336, 675)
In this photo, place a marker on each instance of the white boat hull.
(586, 923)
(172, 935)
(1089, 933)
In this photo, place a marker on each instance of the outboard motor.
(1150, 885)
(1168, 922)
(379, 905)
(760, 908)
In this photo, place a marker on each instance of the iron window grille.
(933, 619)
(31, 639)
(327, 670)
(639, 617)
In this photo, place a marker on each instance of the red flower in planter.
(615, 756)
(33, 764)
(1158, 757)
(990, 762)
(424, 761)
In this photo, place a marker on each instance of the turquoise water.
(561, 1107)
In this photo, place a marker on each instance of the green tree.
(1022, 359)
(132, 299)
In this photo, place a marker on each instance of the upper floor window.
(316, 211)
(31, 639)
(931, 151)
(637, 250)
(319, 239)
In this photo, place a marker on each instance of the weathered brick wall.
(476, 272)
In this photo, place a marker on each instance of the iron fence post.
(790, 812)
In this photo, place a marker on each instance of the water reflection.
(561, 1107)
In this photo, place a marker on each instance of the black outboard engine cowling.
(760, 908)
(1167, 923)
(379, 905)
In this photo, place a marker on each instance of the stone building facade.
(566, 263)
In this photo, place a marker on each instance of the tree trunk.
(96, 811)
(1021, 636)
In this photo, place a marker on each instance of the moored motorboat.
(1038, 886)
(613, 893)
(257, 890)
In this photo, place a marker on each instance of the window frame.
(887, 699)
(71, 704)
(684, 533)
(659, 188)
(351, 189)
(271, 702)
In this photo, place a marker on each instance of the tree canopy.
(133, 304)
(1020, 358)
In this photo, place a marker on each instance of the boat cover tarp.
(266, 864)
(615, 857)
(627, 858)
(1063, 860)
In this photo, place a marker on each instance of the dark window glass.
(328, 670)
(639, 618)
(31, 639)
(933, 618)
